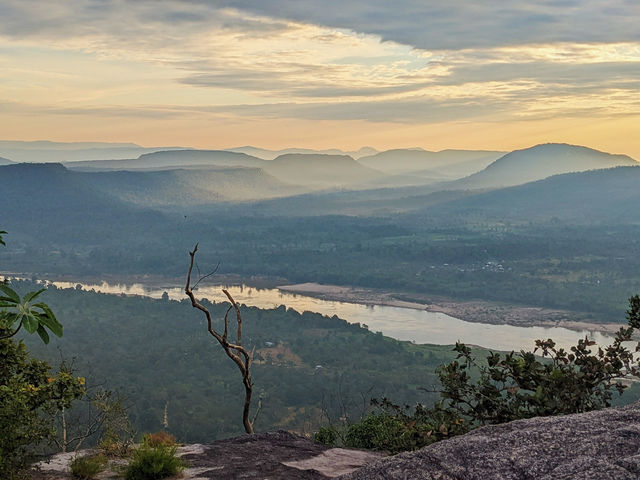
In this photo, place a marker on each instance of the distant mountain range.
(541, 161)
(58, 152)
(321, 170)
(271, 154)
(189, 178)
(163, 160)
(187, 187)
(608, 196)
(311, 171)
(445, 163)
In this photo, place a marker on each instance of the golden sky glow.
(190, 73)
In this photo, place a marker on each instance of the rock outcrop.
(588, 446)
(268, 456)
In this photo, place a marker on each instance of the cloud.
(406, 61)
(459, 24)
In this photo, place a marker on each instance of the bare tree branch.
(235, 351)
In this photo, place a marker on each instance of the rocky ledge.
(269, 456)
(587, 446)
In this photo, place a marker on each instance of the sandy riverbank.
(470, 311)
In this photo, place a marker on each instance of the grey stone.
(265, 456)
(596, 445)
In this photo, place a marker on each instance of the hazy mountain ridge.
(448, 163)
(319, 170)
(45, 199)
(541, 161)
(606, 195)
(169, 159)
(5, 161)
(180, 187)
(54, 185)
(59, 152)
(295, 172)
(266, 154)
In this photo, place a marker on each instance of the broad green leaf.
(52, 324)
(43, 334)
(31, 295)
(30, 323)
(11, 295)
(47, 311)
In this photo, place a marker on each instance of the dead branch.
(235, 351)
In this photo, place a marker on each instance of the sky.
(323, 74)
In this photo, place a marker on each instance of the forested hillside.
(569, 241)
(306, 366)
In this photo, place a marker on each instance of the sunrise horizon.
(213, 74)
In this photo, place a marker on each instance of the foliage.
(118, 433)
(29, 398)
(587, 267)
(328, 435)
(84, 423)
(520, 385)
(395, 429)
(507, 387)
(110, 336)
(160, 438)
(88, 466)
(153, 463)
(29, 395)
(35, 317)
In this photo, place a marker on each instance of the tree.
(30, 396)
(507, 387)
(235, 351)
(522, 385)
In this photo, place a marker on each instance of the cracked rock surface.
(596, 445)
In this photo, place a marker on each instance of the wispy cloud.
(410, 61)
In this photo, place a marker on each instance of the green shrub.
(396, 429)
(522, 385)
(88, 467)
(328, 435)
(153, 463)
(30, 397)
(160, 438)
(375, 432)
(508, 387)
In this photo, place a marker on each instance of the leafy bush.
(394, 429)
(160, 438)
(328, 435)
(153, 463)
(509, 387)
(374, 432)
(29, 399)
(520, 385)
(88, 467)
(29, 395)
(118, 434)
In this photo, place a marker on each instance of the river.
(418, 326)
